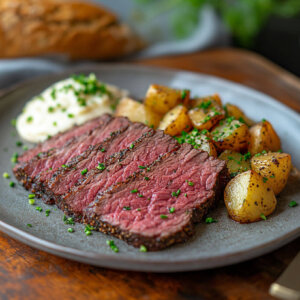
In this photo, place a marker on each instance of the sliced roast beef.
(60, 139)
(142, 153)
(80, 166)
(158, 208)
(41, 168)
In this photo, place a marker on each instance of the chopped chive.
(163, 217)
(172, 210)
(14, 158)
(19, 143)
(185, 195)
(263, 120)
(190, 183)
(6, 175)
(263, 217)
(176, 194)
(53, 94)
(70, 116)
(126, 208)
(293, 204)
(50, 109)
(138, 209)
(265, 179)
(210, 220)
(83, 172)
(54, 123)
(183, 94)
(69, 221)
(148, 169)
(142, 167)
(38, 208)
(101, 167)
(272, 176)
(47, 212)
(28, 225)
(140, 195)
(13, 122)
(31, 201)
(64, 166)
(11, 184)
(29, 119)
(25, 148)
(102, 150)
(143, 248)
(131, 146)
(31, 196)
(146, 178)
(134, 191)
(112, 245)
(71, 230)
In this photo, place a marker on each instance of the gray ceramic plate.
(213, 245)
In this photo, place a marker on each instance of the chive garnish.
(142, 167)
(293, 204)
(69, 221)
(131, 146)
(190, 183)
(83, 172)
(47, 212)
(38, 208)
(13, 122)
(176, 194)
(31, 201)
(134, 191)
(112, 245)
(19, 143)
(88, 230)
(28, 225)
(146, 178)
(71, 230)
(6, 175)
(265, 179)
(101, 167)
(210, 220)
(102, 150)
(11, 184)
(163, 217)
(29, 119)
(126, 208)
(143, 248)
(70, 116)
(172, 210)
(263, 217)
(31, 196)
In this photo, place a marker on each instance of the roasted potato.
(137, 112)
(176, 121)
(274, 168)
(236, 162)
(263, 137)
(199, 140)
(237, 113)
(206, 115)
(231, 134)
(212, 100)
(248, 198)
(161, 99)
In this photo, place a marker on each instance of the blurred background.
(49, 34)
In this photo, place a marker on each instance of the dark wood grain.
(27, 273)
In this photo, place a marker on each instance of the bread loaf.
(79, 30)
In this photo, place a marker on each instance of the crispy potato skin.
(247, 197)
(176, 121)
(161, 99)
(137, 112)
(263, 137)
(237, 113)
(235, 137)
(235, 162)
(274, 167)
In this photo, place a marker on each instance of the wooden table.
(26, 273)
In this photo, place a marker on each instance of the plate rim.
(111, 260)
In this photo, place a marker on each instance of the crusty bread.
(79, 30)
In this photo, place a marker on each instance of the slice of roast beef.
(61, 139)
(79, 167)
(142, 153)
(41, 168)
(160, 211)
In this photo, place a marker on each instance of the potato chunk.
(199, 140)
(232, 135)
(206, 113)
(161, 99)
(274, 168)
(176, 121)
(137, 112)
(263, 137)
(236, 162)
(248, 198)
(237, 113)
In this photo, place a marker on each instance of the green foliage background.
(244, 18)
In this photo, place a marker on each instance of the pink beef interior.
(60, 140)
(192, 172)
(45, 167)
(121, 141)
(143, 154)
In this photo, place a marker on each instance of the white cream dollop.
(66, 103)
